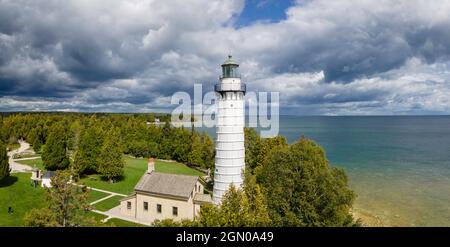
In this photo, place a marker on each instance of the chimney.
(151, 165)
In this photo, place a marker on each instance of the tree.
(302, 190)
(180, 144)
(236, 211)
(67, 205)
(252, 147)
(4, 165)
(42, 217)
(256, 148)
(195, 157)
(110, 160)
(202, 150)
(166, 145)
(88, 150)
(257, 202)
(208, 151)
(54, 153)
(34, 140)
(244, 207)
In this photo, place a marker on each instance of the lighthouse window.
(230, 71)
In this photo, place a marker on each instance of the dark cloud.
(327, 55)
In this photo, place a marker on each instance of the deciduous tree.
(67, 205)
(302, 189)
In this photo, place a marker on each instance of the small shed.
(46, 179)
(35, 176)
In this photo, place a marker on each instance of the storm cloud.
(325, 57)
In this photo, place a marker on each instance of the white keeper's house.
(159, 196)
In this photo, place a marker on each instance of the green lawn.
(108, 203)
(13, 146)
(123, 223)
(22, 156)
(111, 222)
(16, 192)
(98, 219)
(134, 169)
(95, 195)
(176, 168)
(34, 162)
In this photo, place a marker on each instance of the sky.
(340, 57)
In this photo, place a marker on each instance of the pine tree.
(33, 139)
(54, 153)
(4, 165)
(86, 156)
(110, 160)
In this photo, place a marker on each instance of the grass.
(13, 146)
(124, 223)
(176, 168)
(134, 169)
(114, 222)
(22, 156)
(34, 162)
(95, 195)
(16, 192)
(108, 203)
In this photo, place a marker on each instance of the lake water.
(399, 166)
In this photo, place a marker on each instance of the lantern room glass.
(230, 71)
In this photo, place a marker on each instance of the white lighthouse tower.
(230, 149)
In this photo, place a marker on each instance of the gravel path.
(16, 167)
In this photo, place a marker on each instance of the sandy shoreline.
(367, 219)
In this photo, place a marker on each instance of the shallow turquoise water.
(398, 165)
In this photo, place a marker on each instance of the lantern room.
(230, 68)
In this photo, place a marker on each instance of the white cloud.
(327, 57)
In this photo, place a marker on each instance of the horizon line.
(168, 113)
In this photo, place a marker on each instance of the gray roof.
(230, 61)
(49, 174)
(167, 184)
(202, 198)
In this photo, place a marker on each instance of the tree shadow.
(100, 178)
(8, 181)
(118, 179)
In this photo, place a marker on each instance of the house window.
(145, 206)
(158, 208)
(199, 188)
(129, 205)
(175, 211)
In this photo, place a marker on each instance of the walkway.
(16, 167)
(114, 212)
